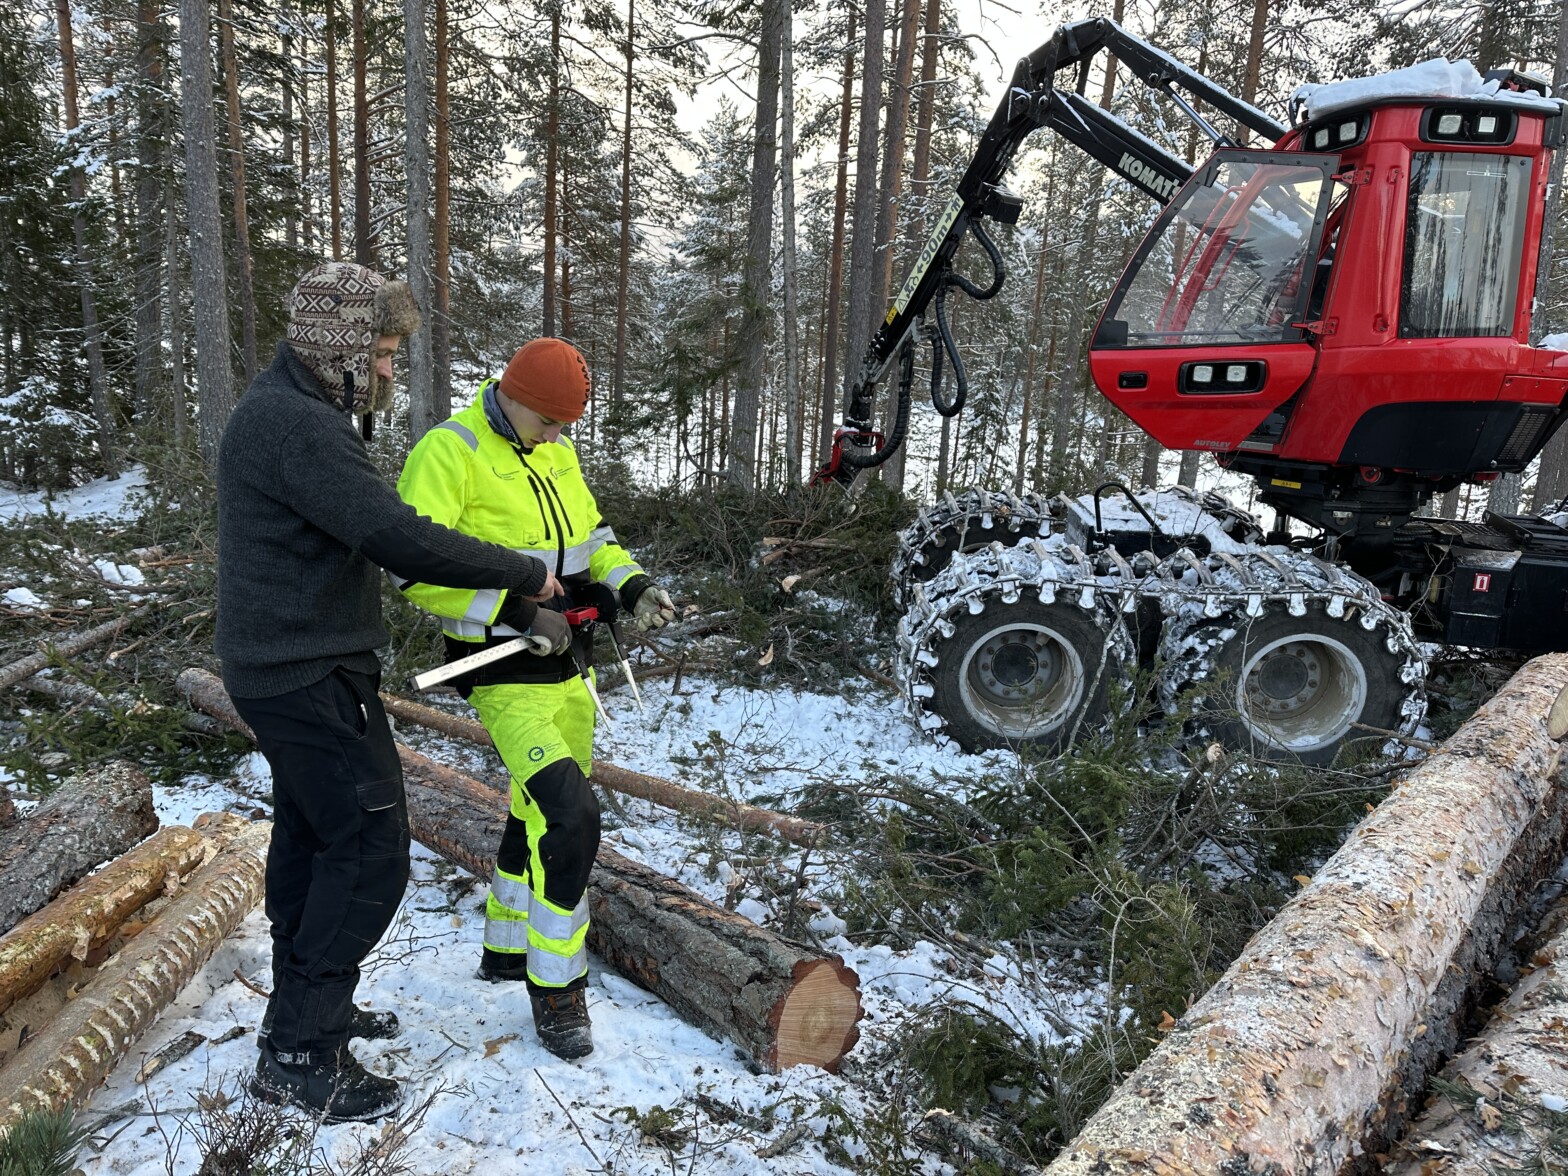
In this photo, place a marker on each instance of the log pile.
(780, 1002)
(59, 1066)
(1313, 1047)
(1514, 1078)
(87, 820)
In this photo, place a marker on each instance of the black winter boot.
(364, 1024)
(561, 1019)
(340, 1091)
(500, 966)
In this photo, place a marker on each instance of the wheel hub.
(1021, 680)
(1302, 692)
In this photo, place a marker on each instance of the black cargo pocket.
(376, 795)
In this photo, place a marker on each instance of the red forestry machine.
(1343, 316)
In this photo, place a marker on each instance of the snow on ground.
(116, 499)
(498, 1097)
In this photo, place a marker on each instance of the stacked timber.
(1311, 1051)
(201, 886)
(87, 820)
(1503, 1098)
(781, 1003)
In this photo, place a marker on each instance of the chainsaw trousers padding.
(338, 862)
(544, 733)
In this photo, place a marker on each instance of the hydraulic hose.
(943, 340)
(890, 444)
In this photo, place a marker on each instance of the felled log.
(639, 784)
(63, 1064)
(26, 667)
(80, 694)
(1514, 1070)
(91, 912)
(782, 1003)
(1311, 1049)
(87, 820)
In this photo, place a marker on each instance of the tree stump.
(90, 818)
(62, 1065)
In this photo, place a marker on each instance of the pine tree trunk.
(364, 246)
(334, 152)
(756, 281)
(863, 272)
(920, 173)
(899, 94)
(286, 71)
(552, 134)
(97, 376)
(1026, 414)
(422, 410)
(624, 261)
(1253, 76)
(151, 130)
(792, 374)
(441, 310)
(110, 105)
(179, 408)
(1551, 482)
(247, 289)
(214, 377)
(835, 292)
(301, 73)
(89, 819)
(565, 230)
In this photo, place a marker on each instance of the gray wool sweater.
(304, 520)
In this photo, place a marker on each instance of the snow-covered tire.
(1294, 688)
(1025, 673)
(964, 523)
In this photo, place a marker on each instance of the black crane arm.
(1032, 101)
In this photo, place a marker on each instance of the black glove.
(599, 597)
(549, 634)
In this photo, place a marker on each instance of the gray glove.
(654, 609)
(549, 634)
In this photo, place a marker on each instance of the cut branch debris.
(26, 667)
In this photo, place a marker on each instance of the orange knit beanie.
(550, 377)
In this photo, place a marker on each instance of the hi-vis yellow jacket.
(466, 476)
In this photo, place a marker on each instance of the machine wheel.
(1289, 688)
(963, 523)
(1025, 673)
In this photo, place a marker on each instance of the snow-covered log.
(1307, 1055)
(27, 666)
(1515, 1073)
(89, 819)
(665, 793)
(782, 1003)
(92, 911)
(62, 1065)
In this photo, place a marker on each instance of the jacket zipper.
(560, 536)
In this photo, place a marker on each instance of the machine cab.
(1364, 306)
(1208, 331)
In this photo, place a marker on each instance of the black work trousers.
(338, 863)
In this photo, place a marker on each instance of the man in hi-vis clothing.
(501, 471)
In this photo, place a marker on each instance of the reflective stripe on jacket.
(464, 475)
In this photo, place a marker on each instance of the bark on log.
(90, 818)
(1520, 1056)
(1307, 1052)
(62, 1066)
(783, 1004)
(26, 667)
(80, 694)
(91, 912)
(665, 793)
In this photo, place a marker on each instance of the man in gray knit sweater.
(304, 520)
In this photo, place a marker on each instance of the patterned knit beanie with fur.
(337, 312)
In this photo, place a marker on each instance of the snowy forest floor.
(1021, 929)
